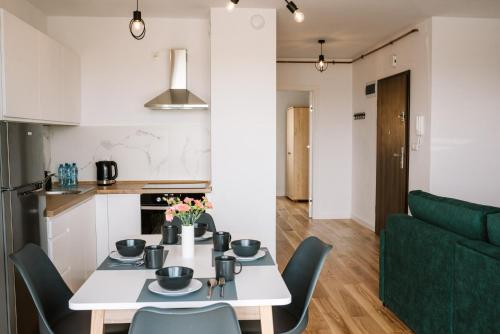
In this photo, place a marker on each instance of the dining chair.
(50, 295)
(214, 319)
(301, 276)
(204, 218)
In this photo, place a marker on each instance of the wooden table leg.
(266, 319)
(97, 322)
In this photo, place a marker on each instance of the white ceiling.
(349, 26)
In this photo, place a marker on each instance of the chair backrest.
(214, 319)
(302, 273)
(204, 218)
(47, 288)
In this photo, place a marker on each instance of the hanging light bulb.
(231, 4)
(297, 14)
(137, 26)
(321, 64)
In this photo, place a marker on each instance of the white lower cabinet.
(118, 217)
(72, 243)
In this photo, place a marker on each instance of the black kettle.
(107, 172)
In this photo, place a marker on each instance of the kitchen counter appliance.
(153, 207)
(107, 172)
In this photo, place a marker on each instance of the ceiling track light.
(137, 26)
(292, 7)
(321, 64)
(297, 14)
(231, 4)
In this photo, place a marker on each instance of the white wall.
(466, 109)
(119, 75)
(284, 100)
(243, 67)
(332, 133)
(414, 54)
(26, 12)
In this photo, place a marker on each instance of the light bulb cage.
(137, 17)
(321, 65)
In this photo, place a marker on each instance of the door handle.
(401, 157)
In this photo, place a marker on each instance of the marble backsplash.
(151, 152)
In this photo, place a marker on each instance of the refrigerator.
(22, 213)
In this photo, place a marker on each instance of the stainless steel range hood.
(178, 97)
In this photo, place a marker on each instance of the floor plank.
(346, 298)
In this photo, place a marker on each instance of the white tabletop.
(119, 289)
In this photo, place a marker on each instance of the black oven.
(153, 207)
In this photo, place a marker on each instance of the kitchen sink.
(69, 191)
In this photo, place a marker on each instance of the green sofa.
(440, 267)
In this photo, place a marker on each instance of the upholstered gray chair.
(214, 319)
(300, 275)
(51, 295)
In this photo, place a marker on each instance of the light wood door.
(298, 153)
(393, 111)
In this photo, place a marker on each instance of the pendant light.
(137, 26)
(231, 4)
(321, 64)
(297, 14)
(292, 7)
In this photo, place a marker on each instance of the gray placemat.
(266, 260)
(147, 296)
(110, 264)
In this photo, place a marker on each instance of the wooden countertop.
(57, 204)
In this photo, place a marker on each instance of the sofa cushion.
(464, 218)
(494, 229)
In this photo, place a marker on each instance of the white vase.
(188, 241)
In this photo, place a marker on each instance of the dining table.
(113, 294)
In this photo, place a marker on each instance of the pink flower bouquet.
(188, 211)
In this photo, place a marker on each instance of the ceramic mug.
(221, 241)
(153, 257)
(225, 266)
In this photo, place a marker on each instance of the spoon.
(222, 282)
(211, 284)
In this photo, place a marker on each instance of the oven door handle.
(154, 208)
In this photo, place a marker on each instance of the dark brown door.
(393, 111)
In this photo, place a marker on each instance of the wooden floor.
(346, 298)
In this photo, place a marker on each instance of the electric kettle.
(107, 172)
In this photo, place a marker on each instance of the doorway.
(393, 114)
(293, 145)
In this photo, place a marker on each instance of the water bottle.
(75, 174)
(67, 174)
(60, 175)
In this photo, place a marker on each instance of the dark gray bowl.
(130, 247)
(200, 229)
(174, 278)
(245, 247)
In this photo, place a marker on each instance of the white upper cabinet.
(71, 77)
(41, 78)
(51, 78)
(21, 93)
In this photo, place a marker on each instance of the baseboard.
(363, 223)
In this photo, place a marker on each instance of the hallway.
(346, 298)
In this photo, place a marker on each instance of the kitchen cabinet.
(297, 155)
(118, 217)
(71, 243)
(41, 77)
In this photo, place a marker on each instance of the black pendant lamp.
(321, 64)
(137, 26)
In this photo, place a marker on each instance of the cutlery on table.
(136, 264)
(212, 282)
(222, 282)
